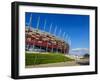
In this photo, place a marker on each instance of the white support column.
(59, 37)
(55, 30)
(44, 25)
(66, 38)
(49, 32)
(30, 22)
(63, 35)
(55, 35)
(50, 27)
(38, 23)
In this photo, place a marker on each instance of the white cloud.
(79, 51)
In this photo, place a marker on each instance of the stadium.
(41, 41)
(37, 40)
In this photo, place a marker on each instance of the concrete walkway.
(61, 64)
(69, 63)
(72, 63)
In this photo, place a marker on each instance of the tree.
(86, 55)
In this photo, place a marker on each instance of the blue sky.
(75, 26)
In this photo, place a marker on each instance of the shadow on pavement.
(83, 63)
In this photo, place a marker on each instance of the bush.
(86, 55)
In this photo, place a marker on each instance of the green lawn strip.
(37, 58)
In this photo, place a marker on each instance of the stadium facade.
(41, 41)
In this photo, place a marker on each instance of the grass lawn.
(37, 58)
